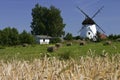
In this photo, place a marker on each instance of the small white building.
(42, 39)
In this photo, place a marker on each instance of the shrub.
(56, 40)
(9, 36)
(26, 38)
(113, 37)
(77, 38)
(68, 36)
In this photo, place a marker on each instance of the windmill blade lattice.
(80, 30)
(97, 12)
(100, 28)
(83, 12)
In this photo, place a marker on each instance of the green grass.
(65, 52)
(95, 48)
(19, 52)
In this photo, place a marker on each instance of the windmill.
(89, 26)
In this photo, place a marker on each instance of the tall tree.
(47, 21)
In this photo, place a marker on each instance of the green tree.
(68, 36)
(47, 21)
(6, 36)
(9, 36)
(14, 36)
(26, 38)
(113, 36)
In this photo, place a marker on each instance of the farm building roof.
(43, 36)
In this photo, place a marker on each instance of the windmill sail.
(97, 12)
(100, 28)
(83, 12)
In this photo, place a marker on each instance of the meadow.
(75, 51)
(92, 61)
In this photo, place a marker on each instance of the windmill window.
(88, 33)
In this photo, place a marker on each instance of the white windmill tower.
(89, 28)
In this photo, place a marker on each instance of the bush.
(56, 40)
(26, 38)
(11, 37)
(77, 38)
(113, 37)
(68, 36)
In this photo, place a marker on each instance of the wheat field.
(86, 68)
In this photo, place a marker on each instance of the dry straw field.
(47, 68)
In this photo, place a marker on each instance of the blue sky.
(17, 13)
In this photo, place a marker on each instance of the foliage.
(26, 38)
(47, 21)
(101, 37)
(68, 36)
(10, 37)
(77, 38)
(14, 36)
(98, 37)
(113, 37)
(55, 40)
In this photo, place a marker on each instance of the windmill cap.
(88, 21)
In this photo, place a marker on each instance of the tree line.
(10, 36)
